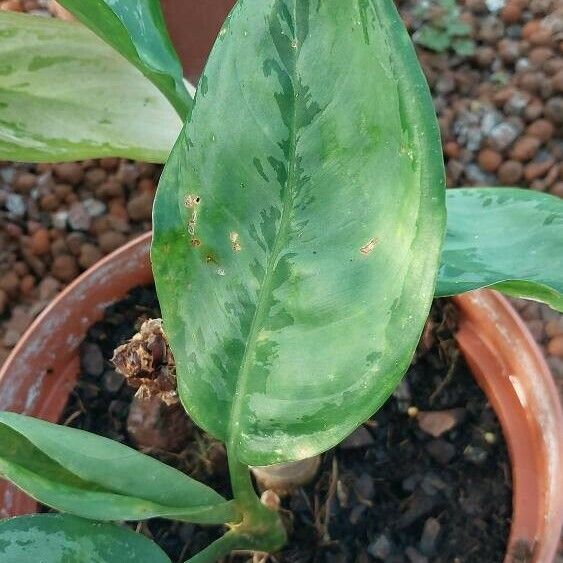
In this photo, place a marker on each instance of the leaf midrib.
(265, 290)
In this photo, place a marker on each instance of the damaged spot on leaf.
(195, 242)
(191, 202)
(235, 243)
(147, 363)
(369, 246)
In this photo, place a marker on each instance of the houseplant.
(41, 374)
(289, 264)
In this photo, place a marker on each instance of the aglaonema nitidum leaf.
(93, 477)
(58, 538)
(505, 238)
(136, 29)
(298, 225)
(65, 95)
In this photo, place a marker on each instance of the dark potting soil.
(407, 487)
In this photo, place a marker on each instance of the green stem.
(261, 527)
(182, 102)
(218, 549)
(243, 489)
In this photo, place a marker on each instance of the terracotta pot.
(41, 371)
(510, 368)
(193, 26)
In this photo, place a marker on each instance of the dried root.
(147, 363)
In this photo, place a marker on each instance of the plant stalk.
(261, 529)
(241, 482)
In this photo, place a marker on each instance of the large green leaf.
(57, 538)
(93, 477)
(505, 238)
(298, 225)
(65, 95)
(136, 29)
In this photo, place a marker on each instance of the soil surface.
(427, 479)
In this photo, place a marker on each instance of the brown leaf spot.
(191, 201)
(369, 246)
(235, 243)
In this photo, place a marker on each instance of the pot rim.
(80, 285)
(503, 357)
(509, 366)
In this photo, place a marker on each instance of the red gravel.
(56, 221)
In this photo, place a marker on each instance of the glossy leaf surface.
(58, 538)
(93, 477)
(137, 30)
(65, 95)
(505, 238)
(298, 225)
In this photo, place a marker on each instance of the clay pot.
(507, 363)
(58, 11)
(203, 20)
(41, 371)
(193, 26)
(510, 368)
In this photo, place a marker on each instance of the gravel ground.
(501, 115)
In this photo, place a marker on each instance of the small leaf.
(458, 28)
(505, 238)
(298, 225)
(58, 538)
(464, 47)
(221, 547)
(65, 95)
(137, 30)
(93, 477)
(433, 38)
